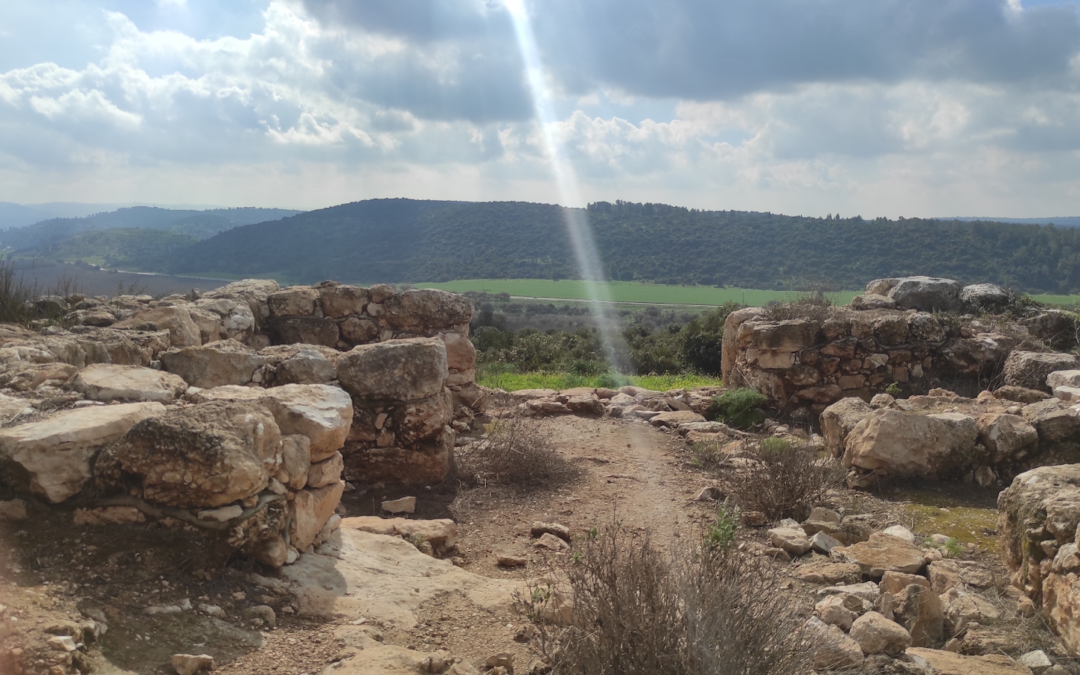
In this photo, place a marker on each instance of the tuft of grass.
(962, 524)
(739, 408)
(707, 454)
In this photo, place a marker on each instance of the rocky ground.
(371, 604)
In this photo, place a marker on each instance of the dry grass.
(704, 610)
(515, 452)
(785, 481)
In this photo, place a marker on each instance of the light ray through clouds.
(566, 182)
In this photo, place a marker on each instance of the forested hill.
(197, 224)
(399, 240)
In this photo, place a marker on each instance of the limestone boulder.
(183, 332)
(1030, 369)
(880, 554)
(1061, 605)
(403, 370)
(320, 412)
(359, 330)
(339, 301)
(1040, 504)
(427, 463)
(896, 443)
(919, 609)
(868, 302)
(202, 456)
(234, 317)
(441, 534)
(254, 292)
(295, 464)
(108, 383)
(302, 364)
(877, 635)
(839, 419)
(793, 335)
(984, 296)
(326, 472)
(309, 510)
(208, 323)
(962, 608)
(926, 294)
(217, 364)
(833, 650)
(1055, 327)
(880, 286)
(1054, 421)
(1020, 394)
(731, 344)
(426, 311)
(310, 330)
(292, 301)
(54, 457)
(791, 539)
(1006, 436)
(675, 419)
(950, 663)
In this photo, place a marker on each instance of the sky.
(856, 107)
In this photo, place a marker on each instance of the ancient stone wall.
(242, 411)
(813, 362)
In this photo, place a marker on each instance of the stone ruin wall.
(241, 411)
(808, 364)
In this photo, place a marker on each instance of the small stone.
(512, 561)
(900, 532)
(539, 529)
(551, 542)
(12, 511)
(264, 613)
(823, 543)
(877, 635)
(832, 611)
(791, 539)
(212, 610)
(403, 505)
(163, 609)
(1037, 661)
(62, 643)
(188, 664)
(501, 660)
(709, 494)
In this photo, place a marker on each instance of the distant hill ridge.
(191, 223)
(404, 240)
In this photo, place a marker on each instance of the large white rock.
(925, 294)
(53, 457)
(214, 365)
(402, 370)
(897, 443)
(183, 332)
(107, 382)
(321, 412)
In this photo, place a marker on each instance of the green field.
(628, 291)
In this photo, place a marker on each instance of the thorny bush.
(514, 452)
(702, 610)
(785, 480)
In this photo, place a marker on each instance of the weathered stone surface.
(894, 582)
(340, 300)
(310, 510)
(106, 382)
(441, 534)
(918, 609)
(311, 330)
(217, 364)
(868, 301)
(880, 554)
(962, 608)
(182, 330)
(1061, 605)
(833, 650)
(674, 419)
(839, 419)
(1006, 436)
(1044, 501)
(832, 611)
(791, 539)
(948, 663)
(730, 346)
(325, 472)
(359, 330)
(53, 457)
(984, 296)
(877, 635)
(1020, 394)
(401, 370)
(254, 292)
(897, 443)
(295, 461)
(926, 294)
(586, 406)
(828, 573)
(428, 464)
(207, 455)
(235, 318)
(426, 311)
(292, 301)
(785, 336)
(318, 411)
(1030, 369)
(308, 365)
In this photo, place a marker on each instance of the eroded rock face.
(897, 443)
(839, 419)
(214, 365)
(320, 412)
(948, 663)
(104, 382)
(53, 457)
(403, 370)
(183, 332)
(880, 554)
(926, 294)
(426, 310)
(1030, 369)
(208, 455)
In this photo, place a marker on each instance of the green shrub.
(741, 408)
(701, 340)
(775, 445)
(721, 534)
